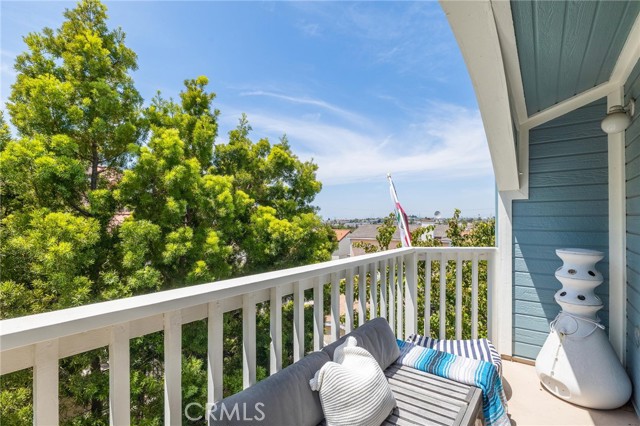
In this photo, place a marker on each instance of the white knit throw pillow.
(353, 388)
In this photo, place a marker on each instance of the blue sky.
(362, 88)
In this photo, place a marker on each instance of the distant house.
(368, 233)
(343, 244)
(440, 234)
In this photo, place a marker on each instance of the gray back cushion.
(376, 337)
(284, 399)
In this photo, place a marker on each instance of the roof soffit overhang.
(474, 27)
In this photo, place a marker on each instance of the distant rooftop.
(341, 233)
(369, 232)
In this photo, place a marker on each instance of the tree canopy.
(103, 197)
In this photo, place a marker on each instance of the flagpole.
(401, 216)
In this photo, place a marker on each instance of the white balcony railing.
(40, 341)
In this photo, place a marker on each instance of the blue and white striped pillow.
(481, 349)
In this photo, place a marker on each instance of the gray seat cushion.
(286, 399)
(280, 400)
(376, 337)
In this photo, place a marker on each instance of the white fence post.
(411, 304)
(248, 341)
(348, 295)
(335, 307)
(392, 294)
(383, 289)
(173, 368)
(275, 310)
(427, 295)
(298, 321)
(215, 353)
(443, 296)
(459, 296)
(119, 377)
(400, 300)
(362, 295)
(474, 297)
(45, 383)
(318, 313)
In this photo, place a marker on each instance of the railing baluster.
(493, 328)
(443, 296)
(45, 383)
(474, 297)
(348, 295)
(172, 368)
(383, 288)
(275, 329)
(411, 301)
(248, 341)
(392, 294)
(362, 295)
(459, 296)
(373, 291)
(215, 333)
(427, 295)
(400, 300)
(119, 379)
(318, 313)
(335, 307)
(298, 322)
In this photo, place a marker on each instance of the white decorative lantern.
(577, 363)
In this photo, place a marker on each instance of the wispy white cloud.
(323, 105)
(310, 29)
(446, 141)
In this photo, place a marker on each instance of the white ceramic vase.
(577, 363)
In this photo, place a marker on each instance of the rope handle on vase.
(576, 318)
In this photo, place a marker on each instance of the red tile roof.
(341, 233)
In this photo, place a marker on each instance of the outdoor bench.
(285, 398)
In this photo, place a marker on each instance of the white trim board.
(629, 56)
(507, 39)
(474, 27)
(503, 303)
(617, 236)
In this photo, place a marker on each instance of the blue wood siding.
(567, 207)
(632, 171)
(568, 47)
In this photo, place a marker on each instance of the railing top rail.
(28, 330)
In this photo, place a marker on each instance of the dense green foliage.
(103, 198)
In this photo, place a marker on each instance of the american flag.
(401, 216)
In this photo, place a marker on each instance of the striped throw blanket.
(464, 370)
(481, 349)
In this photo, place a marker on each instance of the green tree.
(193, 211)
(75, 81)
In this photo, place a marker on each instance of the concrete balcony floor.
(530, 404)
